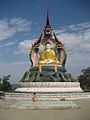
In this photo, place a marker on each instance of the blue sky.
(22, 21)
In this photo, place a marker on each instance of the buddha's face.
(48, 46)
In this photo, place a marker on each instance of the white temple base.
(46, 90)
(47, 87)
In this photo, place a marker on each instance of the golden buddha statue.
(48, 55)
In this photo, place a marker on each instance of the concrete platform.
(49, 87)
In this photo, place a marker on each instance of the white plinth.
(46, 87)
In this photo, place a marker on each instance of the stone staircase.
(49, 96)
(27, 104)
(44, 101)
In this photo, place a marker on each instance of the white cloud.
(20, 24)
(77, 27)
(77, 43)
(7, 44)
(8, 28)
(5, 30)
(76, 37)
(24, 46)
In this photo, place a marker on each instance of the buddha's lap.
(48, 61)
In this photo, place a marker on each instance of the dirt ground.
(81, 113)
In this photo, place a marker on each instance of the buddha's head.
(48, 45)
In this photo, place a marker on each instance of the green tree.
(84, 79)
(5, 84)
(0, 84)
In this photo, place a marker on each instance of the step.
(59, 96)
(43, 104)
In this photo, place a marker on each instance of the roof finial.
(47, 20)
(48, 29)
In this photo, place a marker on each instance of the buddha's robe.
(48, 57)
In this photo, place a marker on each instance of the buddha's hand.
(48, 61)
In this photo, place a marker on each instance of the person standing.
(34, 97)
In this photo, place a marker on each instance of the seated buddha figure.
(48, 55)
